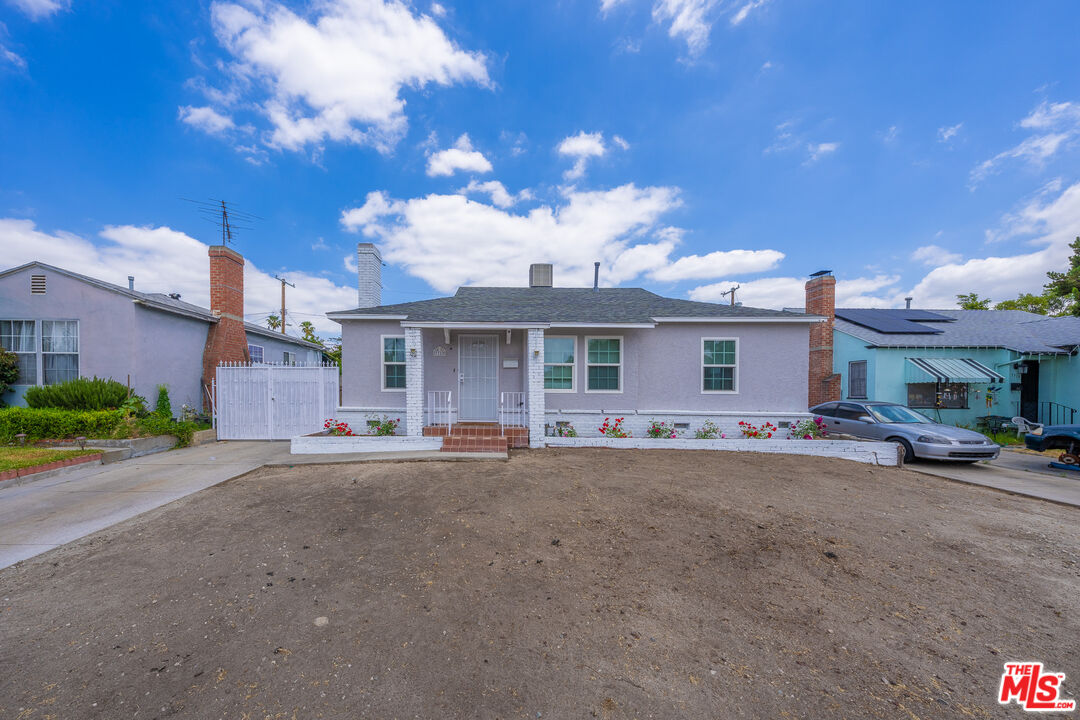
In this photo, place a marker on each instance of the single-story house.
(64, 325)
(541, 356)
(957, 365)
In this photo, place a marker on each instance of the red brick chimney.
(824, 384)
(226, 341)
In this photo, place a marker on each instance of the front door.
(1029, 391)
(478, 375)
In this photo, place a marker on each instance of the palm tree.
(308, 331)
(273, 322)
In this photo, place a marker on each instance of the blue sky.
(921, 148)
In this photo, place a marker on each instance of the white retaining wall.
(873, 453)
(320, 444)
(636, 423)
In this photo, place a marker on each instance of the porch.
(510, 431)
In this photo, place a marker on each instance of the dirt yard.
(562, 584)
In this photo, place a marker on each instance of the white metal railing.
(511, 410)
(440, 411)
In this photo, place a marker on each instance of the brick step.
(516, 437)
(457, 443)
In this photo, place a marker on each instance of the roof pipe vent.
(596, 275)
(131, 282)
(907, 303)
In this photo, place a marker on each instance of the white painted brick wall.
(873, 453)
(535, 361)
(637, 424)
(320, 444)
(414, 381)
(368, 275)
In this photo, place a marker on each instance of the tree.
(332, 350)
(9, 372)
(273, 322)
(308, 331)
(1065, 286)
(1039, 304)
(972, 301)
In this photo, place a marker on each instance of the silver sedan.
(920, 436)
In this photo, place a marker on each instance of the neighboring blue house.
(63, 325)
(957, 365)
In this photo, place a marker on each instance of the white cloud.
(745, 11)
(688, 20)
(935, 255)
(817, 151)
(438, 10)
(618, 140)
(1051, 220)
(166, 260)
(889, 136)
(781, 292)
(581, 147)
(12, 57)
(319, 244)
(498, 193)
(718, 264)
(337, 73)
(460, 157)
(606, 5)
(38, 9)
(1036, 150)
(1055, 125)
(207, 119)
(945, 134)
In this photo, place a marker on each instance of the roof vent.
(37, 284)
(174, 296)
(540, 275)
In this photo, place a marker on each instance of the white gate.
(273, 402)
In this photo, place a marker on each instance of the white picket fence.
(273, 402)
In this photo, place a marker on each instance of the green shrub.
(163, 407)
(40, 423)
(154, 424)
(9, 372)
(79, 394)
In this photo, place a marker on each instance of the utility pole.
(731, 292)
(284, 282)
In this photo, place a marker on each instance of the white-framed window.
(560, 356)
(719, 365)
(289, 358)
(20, 337)
(603, 364)
(856, 379)
(393, 362)
(255, 353)
(59, 351)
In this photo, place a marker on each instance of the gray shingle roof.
(1011, 329)
(156, 301)
(561, 305)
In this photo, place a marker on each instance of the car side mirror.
(865, 419)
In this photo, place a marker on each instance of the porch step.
(514, 436)
(474, 443)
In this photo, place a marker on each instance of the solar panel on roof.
(887, 321)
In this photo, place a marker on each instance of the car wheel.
(909, 453)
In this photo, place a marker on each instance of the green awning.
(951, 370)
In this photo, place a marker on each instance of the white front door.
(478, 374)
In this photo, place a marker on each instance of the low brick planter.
(55, 465)
(323, 443)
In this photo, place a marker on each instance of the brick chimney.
(369, 275)
(824, 384)
(226, 341)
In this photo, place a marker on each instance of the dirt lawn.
(562, 584)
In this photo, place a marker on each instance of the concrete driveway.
(1013, 471)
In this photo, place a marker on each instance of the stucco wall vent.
(37, 284)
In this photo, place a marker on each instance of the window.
(954, 396)
(603, 364)
(856, 373)
(720, 358)
(826, 410)
(19, 337)
(849, 411)
(393, 362)
(255, 353)
(559, 363)
(59, 351)
(289, 358)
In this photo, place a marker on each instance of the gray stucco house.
(63, 325)
(542, 355)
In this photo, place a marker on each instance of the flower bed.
(22, 461)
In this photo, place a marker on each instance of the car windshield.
(896, 414)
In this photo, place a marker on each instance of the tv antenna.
(223, 215)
